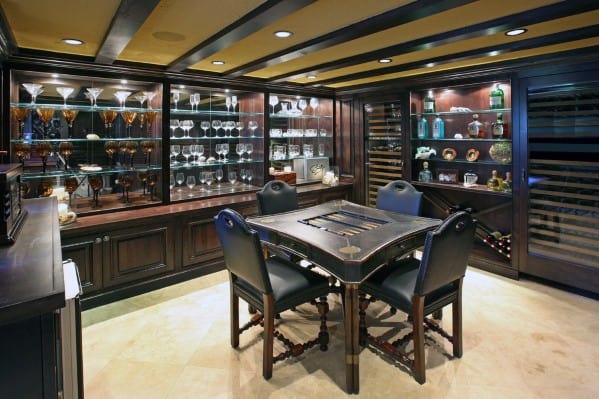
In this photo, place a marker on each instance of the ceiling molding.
(401, 15)
(535, 16)
(7, 41)
(129, 17)
(262, 16)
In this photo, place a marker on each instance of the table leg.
(352, 347)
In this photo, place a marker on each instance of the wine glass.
(191, 183)
(147, 148)
(228, 102)
(249, 174)
(122, 96)
(232, 179)
(314, 104)
(302, 104)
(150, 95)
(151, 118)
(239, 126)
(20, 114)
(240, 149)
(252, 125)
(143, 178)
(194, 100)
(174, 124)
(126, 180)
(65, 149)
(65, 92)
(186, 152)
(96, 183)
(22, 150)
(142, 99)
(186, 125)
(94, 93)
(108, 116)
(233, 102)
(152, 181)
(197, 151)
(34, 90)
(70, 186)
(69, 116)
(273, 101)
(129, 118)
(172, 182)
(46, 115)
(249, 148)
(209, 176)
(180, 178)
(132, 147)
(111, 148)
(44, 149)
(175, 151)
(176, 97)
(219, 175)
(242, 174)
(202, 180)
(225, 151)
(205, 125)
(216, 124)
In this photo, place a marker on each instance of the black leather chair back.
(445, 254)
(277, 196)
(242, 250)
(399, 196)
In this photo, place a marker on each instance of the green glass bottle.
(496, 98)
(429, 103)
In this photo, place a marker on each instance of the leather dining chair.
(277, 196)
(420, 288)
(270, 285)
(399, 196)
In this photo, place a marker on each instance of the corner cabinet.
(95, 143)
(461, 157)
(216, 142)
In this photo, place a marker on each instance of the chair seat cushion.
(292, 285)
(394, 284)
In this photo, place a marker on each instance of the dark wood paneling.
(200, 241)
(87, 255)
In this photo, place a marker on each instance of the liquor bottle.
(495, 182)
(496, 99)
(422, 127)
(506, 185)
(425, 175)
(499, 127)
(476, 128)
(429, 103)
(438, 127)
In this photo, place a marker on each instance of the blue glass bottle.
(422, 127)
(438, 128)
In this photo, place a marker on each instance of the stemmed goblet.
(132, 147)
(191, 183)
(111, 147)
(70, 186)
(142, 99)
(314, 104)
(45, 115)
(219, 175)
(147, 147)
(108, 117)
(196, 152)
(273, 101)
(249, 174)
(143, 178)
(152, 182)
(65, 92)
(240, 149)
(252, 125)
(225, 151)
(249, 148)
(233, 102)
(186, 125)
(150, 95)
(186, 152)
(22, 150)
(65, 149)
(228, 102)
(175, 151)
(20, 114)
(174, 124)
(205, 125)
(239, 127)
(216, 124)
(94, 93)
(232, 179)
(126, 180)
(176, 97)
(96, 183)
(151, 118)
(69, 115)
(209, 177)
(34, 90)
(302, 104)
(44, 149)
(122, 96)
(180, 178)
(129, 118)
(172, 182)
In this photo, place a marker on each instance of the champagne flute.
(94, 93)
(205, 125)
(240, 149)
(180, 178)
(232, 179)
(249, 148)
(176, 97)
(219, 175)
(249, 174)
(228, 102)
(234, 102)
(242, 174)
(191, 183)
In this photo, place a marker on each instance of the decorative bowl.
(501, 152)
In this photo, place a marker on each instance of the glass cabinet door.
(301, 137)
(216, 142)
(95, 143)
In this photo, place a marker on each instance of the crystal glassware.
(46, 115)
(34, 90)
(179, 178)
(205, 125)
(273, 101)
(94, 93)
(122, 96)
(65, 92)
(252, 125)
(240, 149)
(69, 116)
(216, 124)
(22, 151)
(141, 118)
(108, 117)
(232, 176)
(191, 183)
(44, 188)
(174, 124)
(111, 147)
(96, 183)
(143, 178)
(142, 99)
(219, 175)
(228, 102)
(239, 126)
(129, 118)
(314, 104)
(65, 149)
(186, 152)
(147, 147)
(70, 186)
(249, 174)
(126, 180)
(249, 148)
(150, 95)
(152, 182)
(225, 151)
(209, 177)
(176, 97)
(20, 114)
(186, 125)
(233, 102)
(151, 119)
(132, 147)
(175, 151)
(172, 182)
(196, 152)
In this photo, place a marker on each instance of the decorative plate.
(449, 154)
(472, 155)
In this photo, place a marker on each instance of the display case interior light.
(283, 33)
(385, 60)
(217, 62)
(516, 32)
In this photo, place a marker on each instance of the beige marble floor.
(521, 340)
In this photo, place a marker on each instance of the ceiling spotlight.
(385, 60)
(283, 33)
(218, 62)
(516, 32)
(430, 65)
(311, 76)
(494, 53)
(124, 81)
(74, 42)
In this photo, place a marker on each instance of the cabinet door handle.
(106, 238)
(97, 240)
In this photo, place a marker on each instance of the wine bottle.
(496, 98)
(499, 127)
(429, 103)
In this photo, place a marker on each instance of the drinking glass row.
(196, 152)
(194, 100)
(227, 126)
(207, 178)
(293, 151)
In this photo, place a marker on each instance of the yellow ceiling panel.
(455, 18)
(177, 26)
(42, 24)
(314, 20)
(573, 45)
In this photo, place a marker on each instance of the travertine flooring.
(521, 340)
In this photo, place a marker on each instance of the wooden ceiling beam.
(264, 15)
(129, 17)
(378, 23)
(522, 19)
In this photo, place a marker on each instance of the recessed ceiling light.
(283, 33)
(55, 75)
(123, 81)
(430, 65)
(516, 32)
(494, 53)
(385, 60)
(311, 76)
(218, 62)
(74, 42)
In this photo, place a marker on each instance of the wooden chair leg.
(234, 303)
(269, 326)
(456, 309)
(419, 367)
(323, 335)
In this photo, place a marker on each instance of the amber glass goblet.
(69, 116)
(147, 147)
(65, 149)
(111, 148)
(25, 187)
(96, 183)
(129, 118)
(45, 115)
(123, 151)
(22, 150)
(44, 149)
(44, 188)
(108, 117)
(152, 182)
(131, 150)
(20, 114)
(151, 119)
(126, 180)
(143, 178)
(70, 186)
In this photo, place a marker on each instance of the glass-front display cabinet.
(301, 138)
(216, 142)
(94, 143)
